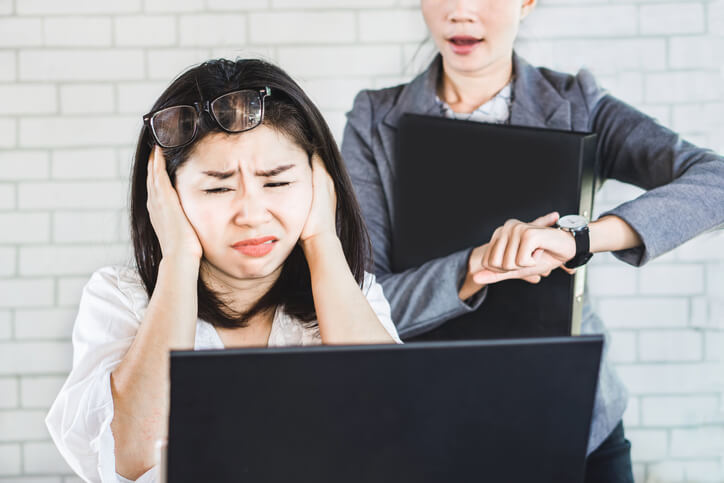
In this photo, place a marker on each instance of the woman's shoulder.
(121, 283)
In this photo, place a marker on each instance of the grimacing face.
(248, 196)
(474, 35)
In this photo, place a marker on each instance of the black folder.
(457, 181)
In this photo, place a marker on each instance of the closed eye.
(276, 185)
(216, 190)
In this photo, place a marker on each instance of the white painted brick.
(706, 247)
(610, 56)
(622, 347)
(671, 279)
(699, 442)
(666, 472)
(70, 290)
(7, 66)
(167, 64)
(69, 260)
(697, 116)
(85, 226)
(243, 5)
(715, 346)
(618, 192)
(302, 27)
(695, 52)
(145, 31)
(690, 86)
(41, 358)
(8, 393)
(648, 379)
(212, 30)
(138, 97)
(333, 93)
(9, 459)
(704, 471)
(59, 195)
(7, 196)
(644, 312)
(612, 280)
(671, 345)
(715, 279)
(589, 21)
(392, 26)
(39, 391)
(20, 292)
(315, 62)
(716, 16)
(20, 32)
(51, 7)
(174, 5)
(639, 471)
(6, 330)
(675, 18)
(125, 162)
(124, 227)
(22, 424)
(647, 444)
(6, 7)
(7, 263)
(700, 313)
(24, 227)
(631, 416)
(81, 65)
(78, 31)
(264, 52)
(43, 458)
(44, 323)
(18, 165)
(84, 163)
(679, 410)
(627, 86)
(79, 131)
(8, 133)
(27, 99)
(87, 98)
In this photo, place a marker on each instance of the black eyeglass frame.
(205, 106)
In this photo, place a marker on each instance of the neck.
(238, 294)
(466, 91)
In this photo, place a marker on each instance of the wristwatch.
(577, 226)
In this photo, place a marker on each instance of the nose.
(462, 11)
(249, 208)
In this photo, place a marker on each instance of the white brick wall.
(76, 75)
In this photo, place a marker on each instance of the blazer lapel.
(535, 102)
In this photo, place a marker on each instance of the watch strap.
(583, 248)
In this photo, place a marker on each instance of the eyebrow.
(265, 174)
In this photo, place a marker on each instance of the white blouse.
(111, 309)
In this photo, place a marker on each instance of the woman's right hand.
(177, 237)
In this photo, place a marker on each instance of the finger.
(570, 271)
(546, 220)
(532, 278)
(510, 256)
(530, 250)
(496, 251)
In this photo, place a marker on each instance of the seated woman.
(246, 232)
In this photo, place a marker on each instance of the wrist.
(321, 247)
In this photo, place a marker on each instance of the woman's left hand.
(517, 245)
(322, 215)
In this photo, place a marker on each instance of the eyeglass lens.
(174, 126)
(237, 111)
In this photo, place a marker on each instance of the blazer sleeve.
(421, 298)
(685, 183)
(80, 418)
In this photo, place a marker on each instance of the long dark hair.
(291, 112)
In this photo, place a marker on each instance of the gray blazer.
(685, 197)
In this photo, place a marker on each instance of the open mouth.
(463, 41)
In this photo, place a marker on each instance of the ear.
(527, 7)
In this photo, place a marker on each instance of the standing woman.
(477, 76)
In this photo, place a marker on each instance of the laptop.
(457, 181)
(513, 411)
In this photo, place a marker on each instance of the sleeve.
(376, 298)
(421, 298)
(79, 421)
(685, 183)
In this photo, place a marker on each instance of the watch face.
(572, 222)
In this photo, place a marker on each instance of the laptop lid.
(457, 181)
(514, 411)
